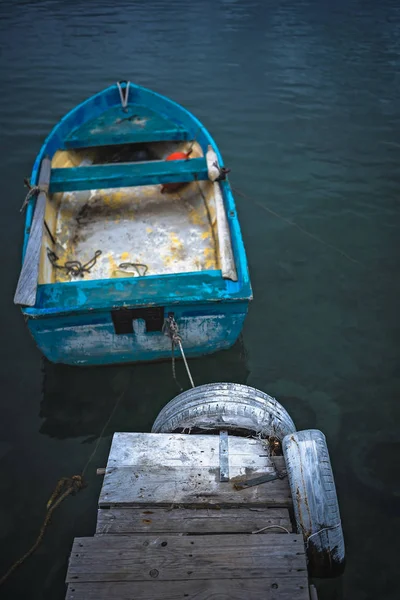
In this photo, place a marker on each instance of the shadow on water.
(77, 401)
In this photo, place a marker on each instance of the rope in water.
(293, 224)
(171, 329)
(70, 485)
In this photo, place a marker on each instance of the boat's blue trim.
(119, 175)
(106, 294)
(78, 296)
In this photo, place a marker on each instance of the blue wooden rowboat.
(131, 219)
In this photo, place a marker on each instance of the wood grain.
(268, 588)
(25, 293)
(167, 557)
(127, 174)
(188, 520)
(166, 469)
(164, 486)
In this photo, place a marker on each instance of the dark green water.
(303, 99)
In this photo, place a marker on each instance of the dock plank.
(198, 487)
(268, 588)
(166, 557)
(166, 469)
(154, 520)
(183, 450)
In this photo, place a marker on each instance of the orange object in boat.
(172, 187)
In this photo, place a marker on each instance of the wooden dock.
(169, 528)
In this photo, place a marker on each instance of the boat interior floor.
(139, 231)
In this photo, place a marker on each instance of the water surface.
(303, 100)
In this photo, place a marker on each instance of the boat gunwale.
(226, 290)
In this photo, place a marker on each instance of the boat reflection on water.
(77, 401)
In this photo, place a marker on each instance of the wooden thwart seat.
(127, 174)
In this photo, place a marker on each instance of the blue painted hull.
(90, 339)
(74, 323)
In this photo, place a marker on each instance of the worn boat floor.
(168, 233)
(168, 528)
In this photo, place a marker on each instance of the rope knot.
(32, 191)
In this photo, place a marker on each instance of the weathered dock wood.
(268, 588)
(171, 557)
(165, 469)
(182, 450)
(169, 529)
(164, 487)
(191, 520)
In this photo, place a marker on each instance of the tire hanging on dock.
(315, 502)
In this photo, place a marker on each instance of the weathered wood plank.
(25, 293)
(154, 520)
(165, 469)
(268, 588)
(129, 486)
(127, 174)
(183, 450)
(167, 557)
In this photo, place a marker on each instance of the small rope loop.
(32, 191)
(136, 266)
(123, 93)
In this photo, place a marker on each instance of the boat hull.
(91, 338)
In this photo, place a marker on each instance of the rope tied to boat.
(171, 329)
(124, 93)
(73, 267)
(32, 191)
(65, 487)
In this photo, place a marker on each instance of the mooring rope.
(70, 485)
(293, 224)
(124, 95)
(171, 328)
(32, 191)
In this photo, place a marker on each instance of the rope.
(136, 266)
(171, 328)
(293, 224)
(73, 267)
(72, 485)
(124, 96)
(271, 527)
(102, 432)
(32, 191)
(321, 530)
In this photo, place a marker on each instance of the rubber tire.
(315, 502)
(225, 406)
